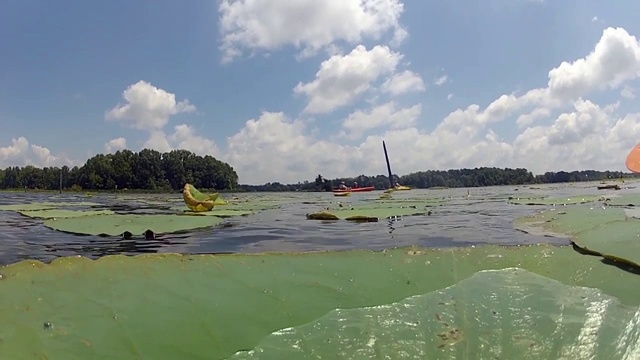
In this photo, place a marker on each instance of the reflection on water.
(481, 218)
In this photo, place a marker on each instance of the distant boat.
(358, 189)
(392, 187)
(346, 193)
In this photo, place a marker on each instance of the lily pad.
(136, 224)
(613, 233)
(366, 213)
(570, 200)
(221, 212)
(625, 200)
(170, 306)
(62, 213)
(521, 314)
(374, 210)
(43, 205)
(570, 221)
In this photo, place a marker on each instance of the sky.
(284, 90)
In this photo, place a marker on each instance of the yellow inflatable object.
(402, 187)
(199, 202)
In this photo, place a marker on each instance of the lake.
(470, 217)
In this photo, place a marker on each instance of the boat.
(359, 189)
(347, 193)
(392, 187)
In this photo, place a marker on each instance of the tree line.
(125, 169)
(154, 171)
(482, 176)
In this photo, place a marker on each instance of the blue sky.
(62, 69)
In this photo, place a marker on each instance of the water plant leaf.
(571, 200)
(625, 200)
(171, 306)
(136, 224)
(521, 314)
(610, 232)
(221, 212)
(570, 221)
(197, 201)
(44, 205)
(62, 213)
(366, 213)
(371, 210)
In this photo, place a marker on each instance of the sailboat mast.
(386, 156)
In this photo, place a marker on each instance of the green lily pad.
(366, 213)
(618, 240)
(369, 211)
(136, 224)
(571, 200)
(43, 206)
(170, 306)
(62, 213)
(220, 212)
(570, 221)
(610, 232)
(521, 314)
(625, 200)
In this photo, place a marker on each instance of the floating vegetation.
(218, 305)
(62, 213)
(613, 233)
(44, 206)
(113, 225)
(516, 311)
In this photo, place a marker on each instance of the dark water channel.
(481, 217)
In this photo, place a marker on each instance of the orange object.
(633, 160)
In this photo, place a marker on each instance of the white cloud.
(185, 137)
(403, 82)
(21, 153)
(116, 144)
(342, 79)
(441, 80)
(628, 92)
(527, 119)
(586, 137)
(308, 25)
(387, 114)
(450, 96)
(273, 147)
(147, 108)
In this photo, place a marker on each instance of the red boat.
(358, 189)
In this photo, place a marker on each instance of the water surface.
(471, 217)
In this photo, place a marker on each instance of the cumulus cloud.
(147, 107)
(342, 79)
(578, 132)
(387, 114)
(308, 25)
(403, 82)
(588, 136)
(21, 153)
(114, 145)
